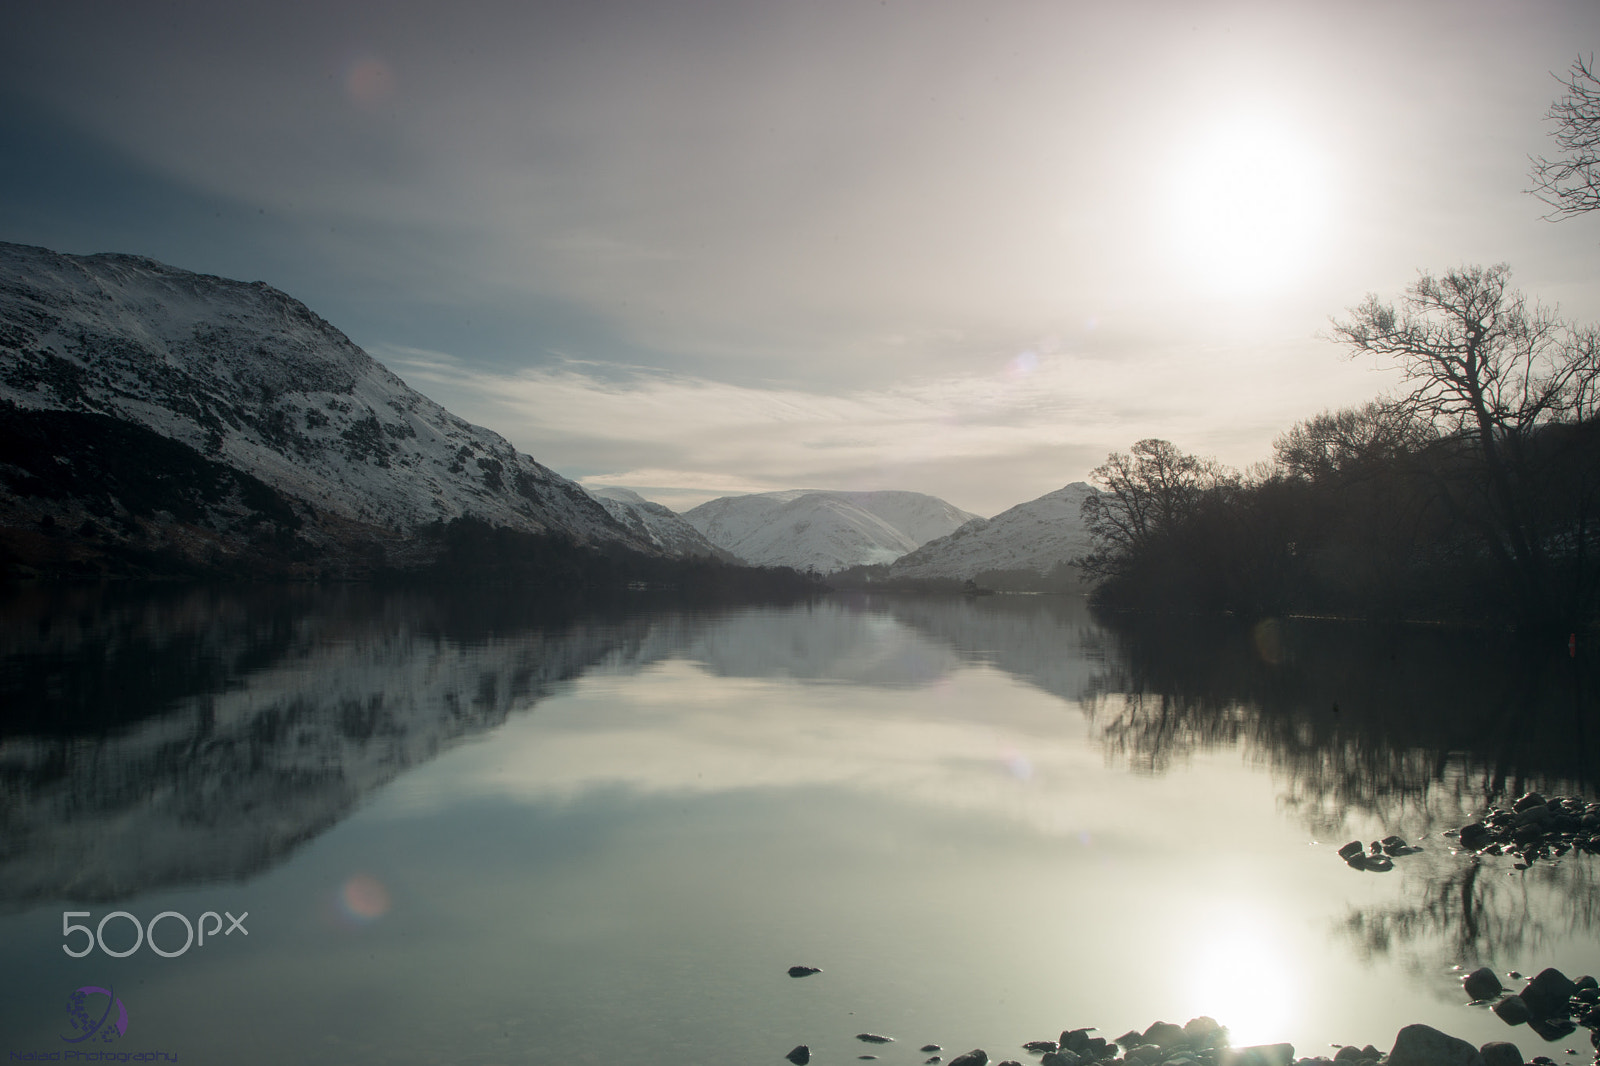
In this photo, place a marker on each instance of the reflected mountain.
(187, 735)
(173, 736)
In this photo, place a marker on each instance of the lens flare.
(369, 81)
(364, 899)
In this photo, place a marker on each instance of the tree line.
(1473, 494)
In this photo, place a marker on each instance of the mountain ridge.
(824, 529)
(243, 377)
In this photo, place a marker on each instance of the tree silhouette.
(1570, 183)
(1492, 369)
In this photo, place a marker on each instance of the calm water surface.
(468, 832)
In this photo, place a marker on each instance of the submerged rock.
(804, 971)
(800, 1055)
(874, 1038)
(975, 1057)
(1423, 1045)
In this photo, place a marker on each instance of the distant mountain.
(822, 530)
(1033, 536)
(149, 408)
(658, 525)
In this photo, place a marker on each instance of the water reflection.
(186, 735)
(1429, 722)
(924, 796)
(1366, 727)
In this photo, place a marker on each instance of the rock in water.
(1548, 993)
(1501, 1053)
(1482, 984)
(1512, 1010)
(975, 1057)
(930, 1047)
(802, 1055)
(1061, 1057)
(804, 971)
(1164, 1035)
(1351, 850)
(874, 1038)
(1423, 1045)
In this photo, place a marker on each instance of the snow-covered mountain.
(1034, 536)
(656, 524)
(823, 530)
(249, 378)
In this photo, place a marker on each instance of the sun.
(1247, 201)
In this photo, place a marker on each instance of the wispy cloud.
(682, 439)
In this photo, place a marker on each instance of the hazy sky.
(695, 248)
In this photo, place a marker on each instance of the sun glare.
(1239, 976)
(1247, 201)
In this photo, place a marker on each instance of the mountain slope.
(246, 377)
(1035, 536)
(658, 525)
(823, 530)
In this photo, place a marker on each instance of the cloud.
(678, 438)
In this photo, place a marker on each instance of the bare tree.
(1570, 183)
(1142, 494)
(1489, 366)
(1351, 441)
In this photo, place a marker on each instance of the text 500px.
(144, 933)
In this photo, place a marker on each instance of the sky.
(703, 247)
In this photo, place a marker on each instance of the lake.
(461, 829)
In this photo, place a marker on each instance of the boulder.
(930, 1047)
(1423, 1045)
(975, 1057)
(1475, 836)
(1351, 850)
(800, 1055)
(1039, 1047)
(1075, 1039)
(1531, 799)
(1204, 1032)
(1164, 1035)
(1501, 1053)
(1547, 995)
(1482, 984)
(1060, 1057)
(1512, 1010)
(803, 971)
(874, 1038)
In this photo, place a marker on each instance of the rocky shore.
(1551, 1004)
(1535, 828)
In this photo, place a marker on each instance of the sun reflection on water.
(1239, 975)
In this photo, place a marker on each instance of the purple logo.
(80, 1015)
